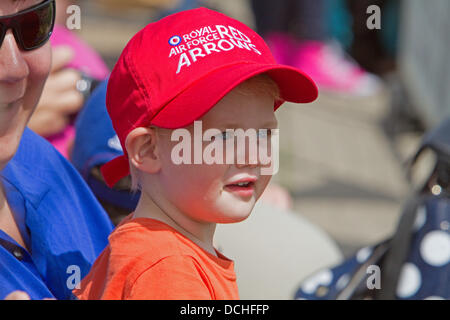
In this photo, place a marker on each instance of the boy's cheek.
(194, 176)
(262, 185)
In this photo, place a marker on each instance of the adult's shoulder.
(50, 182)
(67, 224)
(34, 150)
(37, 159)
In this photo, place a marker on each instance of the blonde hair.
(259, 84)
(134, 175)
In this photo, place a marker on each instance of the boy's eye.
(265, 133)
(225, 135)
(261, 134)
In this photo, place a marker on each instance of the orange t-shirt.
(147, 259)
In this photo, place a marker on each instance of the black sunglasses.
(31, 27)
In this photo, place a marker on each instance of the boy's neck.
(201, 233)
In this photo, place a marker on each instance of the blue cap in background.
(97, 143)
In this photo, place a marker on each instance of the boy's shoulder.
(148, 259)
(137, 247)
(147, 239)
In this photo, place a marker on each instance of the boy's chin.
(234, 215)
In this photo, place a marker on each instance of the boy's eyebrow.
(270, 124)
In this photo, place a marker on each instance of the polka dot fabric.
(424, 275)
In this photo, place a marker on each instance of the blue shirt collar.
(33, 190)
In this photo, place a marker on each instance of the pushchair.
(415, 262)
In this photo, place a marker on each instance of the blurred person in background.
(298, 33)
(376, 49)
(74, 65)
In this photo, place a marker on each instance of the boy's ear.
(142, 149)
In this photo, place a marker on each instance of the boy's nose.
(246, 155)
(13, 67)
(262, 155)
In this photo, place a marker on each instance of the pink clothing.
(62, 140)
(326, 63)
(85, 60)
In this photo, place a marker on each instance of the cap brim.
(201, 96)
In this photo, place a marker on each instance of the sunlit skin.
(22, 78)
(192, 198)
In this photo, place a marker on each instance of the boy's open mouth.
(241, 184)
(241, 188)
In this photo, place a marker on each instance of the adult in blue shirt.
(51, 226)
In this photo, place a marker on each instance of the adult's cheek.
(39, 62)
(14, 120)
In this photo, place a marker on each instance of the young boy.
(194, 65)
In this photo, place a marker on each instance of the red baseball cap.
(175, 70)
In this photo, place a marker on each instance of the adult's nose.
(13, 67)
